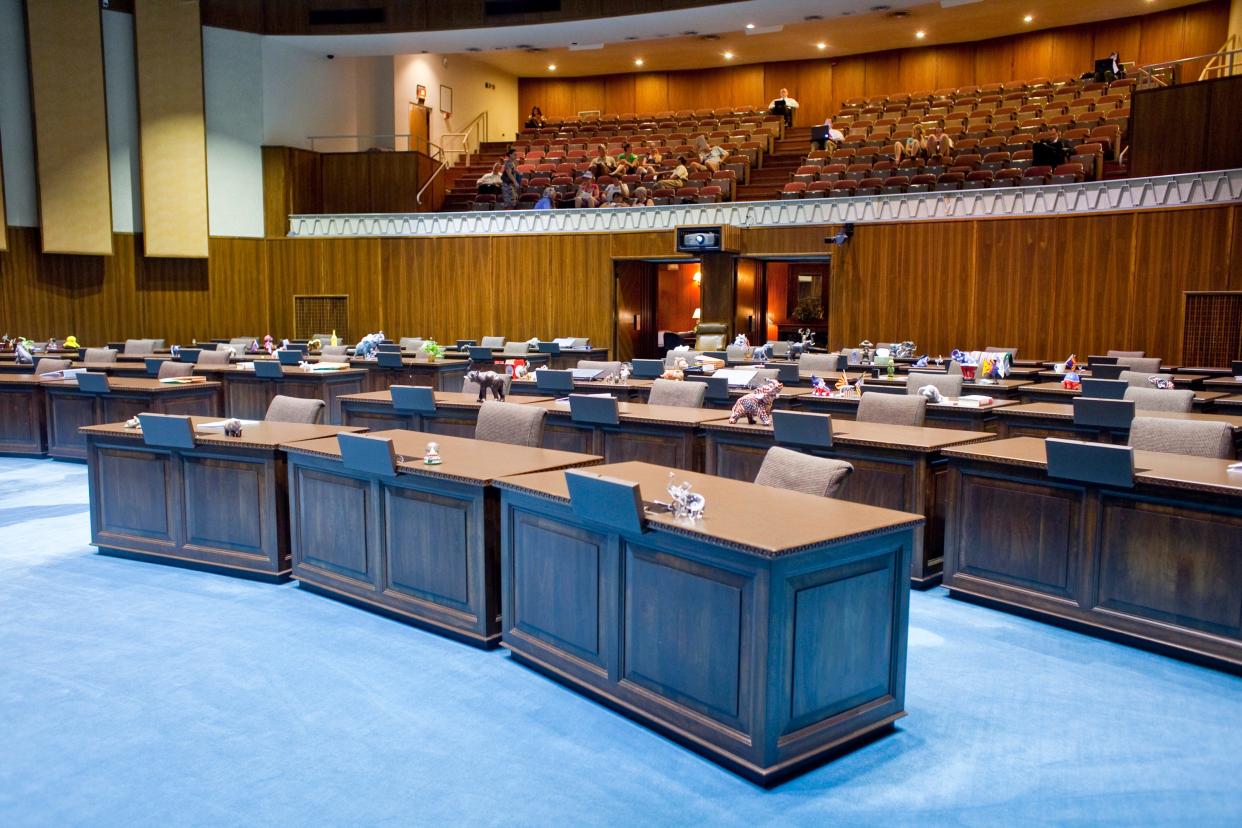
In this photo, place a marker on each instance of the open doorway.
(658, 303)
(794, 294)
(420, 129)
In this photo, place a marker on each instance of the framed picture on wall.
(420, 92)
(446, 99)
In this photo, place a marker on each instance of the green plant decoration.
(808, 310)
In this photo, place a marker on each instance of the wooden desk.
(456, 412)
(1187, 381)
(1057, 420)
(1003, 389)
(1227, 385)
(1229, 405)
(568, 357)
(669, 434)
(634, 389)
(68, 409)
(1055, 392)
(765, 635)
(23, 424)
(895, 467)
(944, 415)
(247, 395)
(442, 375)
(422, 544)
(115, 369)
(223, 503)
(1157, 565)
(534, 359)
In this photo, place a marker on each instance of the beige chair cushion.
(798, 472)
(600, 365)
(875, 407)
(516, 349)
(997, 349)
(334, 351)
(97, 356)
(1148, 365)
(492, 342)
(1200, 438)
(949, 384)
(826, 363)
(47, 365)
(175, 369)
(502, 422)
(1138, 379)
(213, 358)
(139, 347)
(294, 410)
(1154, 399)
(1126, 354)
(691, 358)
(674, 392)
(411, 343)
(779, 348)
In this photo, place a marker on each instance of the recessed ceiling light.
(821, 45)
(638, 61)
(551, 67)
(750, 25)
(728, 56)
(1028, 18)
(920, 34)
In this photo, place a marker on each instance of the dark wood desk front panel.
(942, 416)
(247, 396)
(658, 434)
(69, 409)
(1156, 565)
(23, 427)
(442, 375)
(1055, 392)
(763, 661)
(1057, 420)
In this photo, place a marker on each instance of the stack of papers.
(182, 380)
(328, 366)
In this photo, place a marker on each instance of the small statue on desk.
(921, 362)
(52, 345)
(368, 346)
(1072, 382)
(488, 381)
(432, 456)
(808, 338)
(740, 341)
(684, 502)
(677, 372)
(846, 390)
(1162, 383)
(932, 393)
(71, 343)
(623, 376)
(905, 350)
(757, 403)
(24, 357)
(868, 350)
(133, 422)
(6, 344)
(233, 427)
(819, 388)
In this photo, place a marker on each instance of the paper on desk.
(329, 366)
(219, 425)
(737, 377)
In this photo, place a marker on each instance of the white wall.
(233, 100)
(121, 94)
(16, 130)
(466, 77)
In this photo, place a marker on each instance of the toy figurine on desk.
(867, 347)
(488, 381)
(314, 345)
(24, 356)
(819, 388)
(233, 427)
(517, 368)
(71, 343)
(1162, 383)
(1070, 365)
(368, 346)
(932, 393)
(269, 344)
(757, 403)
(845, 389)
(740, 341)
(677, 371)
(905, 350)
(1072, 382)
(432, 457)
(921, 362)
(685, 503)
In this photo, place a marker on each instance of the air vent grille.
(320, 314)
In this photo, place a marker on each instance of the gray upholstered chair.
(411, 343)
(999, 349)
(710, 336)
(324, 339)
(1200, 438)
(605, 366)
(798, 472)
(241, 343)
(1149, 365)
(139, 347)
(1138, 379)
(762, 375)
(1112, 353)
(334, 351)
(736, 353)
(779, 348)
(294, 410)
(492, 342)
(99, 356)
(949, 384)
(680, 394)
(1155, 399)
(953, 369)
(877, 407)
(826, 363)
(502, 422)
(175, 369)
(213, 358)
(47, 365)
(472, 387)
(516, 349)
(227, 346)
(691, 358)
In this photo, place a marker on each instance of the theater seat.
(798, 472)
(1155, 399)
(819, 189)
(517, 425)
(794, 189)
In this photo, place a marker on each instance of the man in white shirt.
(784, 105)
(832, 135)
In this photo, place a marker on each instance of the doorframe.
(410, 145)
(805, 258)
(655, 260)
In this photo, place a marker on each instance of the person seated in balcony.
(1051, 151)
(938, 143)
(1115, 72)
(510, 179)
(833, 137)
(548, 200)
(914, 146)
(602, 163)
(627, 161)
(710, 156)
(618, 200)
(675, 177)
(784, 106)
(650, 165)
(611, 189)
(489, 182)
(588, 191)
(642, 198)
(535, 121)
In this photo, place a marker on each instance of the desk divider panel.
(1099, 463)
(413, 399)
(788, 374)
(91, 382)
(167, 430)
(797, 429)
(606, 501)
(189, 355)
(585, 408)
(153, 365)
(1110, 372)
(554, 348)
(1103, 413)
(1093, 361)
(554, 381)
(268, 369)
(388, 359)
(372, 455)
(1104, 389)
(648, 368)
(289, 356)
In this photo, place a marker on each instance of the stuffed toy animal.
(488, 380)
(314, 345)
(740, 341)
(932, 393)
(758, 403)
(677, 372)
(368, 346)
(52, 345)
(269, 344)
(24, 357)
(253, 347)
(71, 342)
(819, 388)
(1163, 383)
(921, 362)
(1072, 381)
(905, 350)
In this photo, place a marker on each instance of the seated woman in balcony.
(535, 121)
(938, 144)
(588, 191)
(915, 145)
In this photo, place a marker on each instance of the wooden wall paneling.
(292, 268)
(173, 295)
(1235, 249)
(648, 245)
(1032, 56)
(71, 133)
(394, 180)
(1165, 265)
(994, 62)
(1222, 148)
(1205, 29)
(883, 73)
(39, 290)
(849, 80)
(292, 184)
(955, 67)
(619, 93)
(686, 88)
(238, 284)
(1072, 48)
(814, 87)
(1014, 259)
(172, 127)
(1162, 37)
(346, 182)
(352, 267)
(590, 94)
(429, 295)
(918, 69)
(1184, 109)
(650, 92)
(107, 305)
(1122, 36)
(1088, 293)
(799, 239)
(745, 87)
(550, 286)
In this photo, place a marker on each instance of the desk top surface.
(1229, 384)
(642, 413)
(1058, 388)
(1178, 378)
(1065, 411)
(146, 384)
(464, 459)
(631, 384)
(753, 519)
(919, 439)
(262, 435)
(447, 399)
(291, 372)
(1232, 402)
(977, 386)
(1177, 471)
(811, 400)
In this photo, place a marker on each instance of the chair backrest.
(516, 349)
(1200, 438)
(213, 358)
(779, 348)
(1126, 353)
(175, 369)
(818, 362)
(673, 392)
(996, 349)
(411, 343)
(1149, 365)
(949, 384)
(96, 356)
(502, 422)
(294, 410)
(139, 347)
(691, 358)
(792, 470)
(910, 410)
(330, 351)
(48, 366)
(492, 342)
(603, 366)
(1137, 379)
(1155, 399)
(710, 336)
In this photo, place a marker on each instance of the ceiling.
(781, 32)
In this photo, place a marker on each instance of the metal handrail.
(478, 126)
(407, 136)
(1164, 73)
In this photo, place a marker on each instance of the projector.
(700, 241)
(707, 239)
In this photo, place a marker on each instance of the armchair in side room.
(710, 336)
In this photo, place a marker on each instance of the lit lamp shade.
(698, 314)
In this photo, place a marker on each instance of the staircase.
(778, 167)
(459, 181)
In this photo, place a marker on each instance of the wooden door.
(420, 129)
(748, 317)
(635, 335)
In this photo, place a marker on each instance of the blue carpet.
(139, 694)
